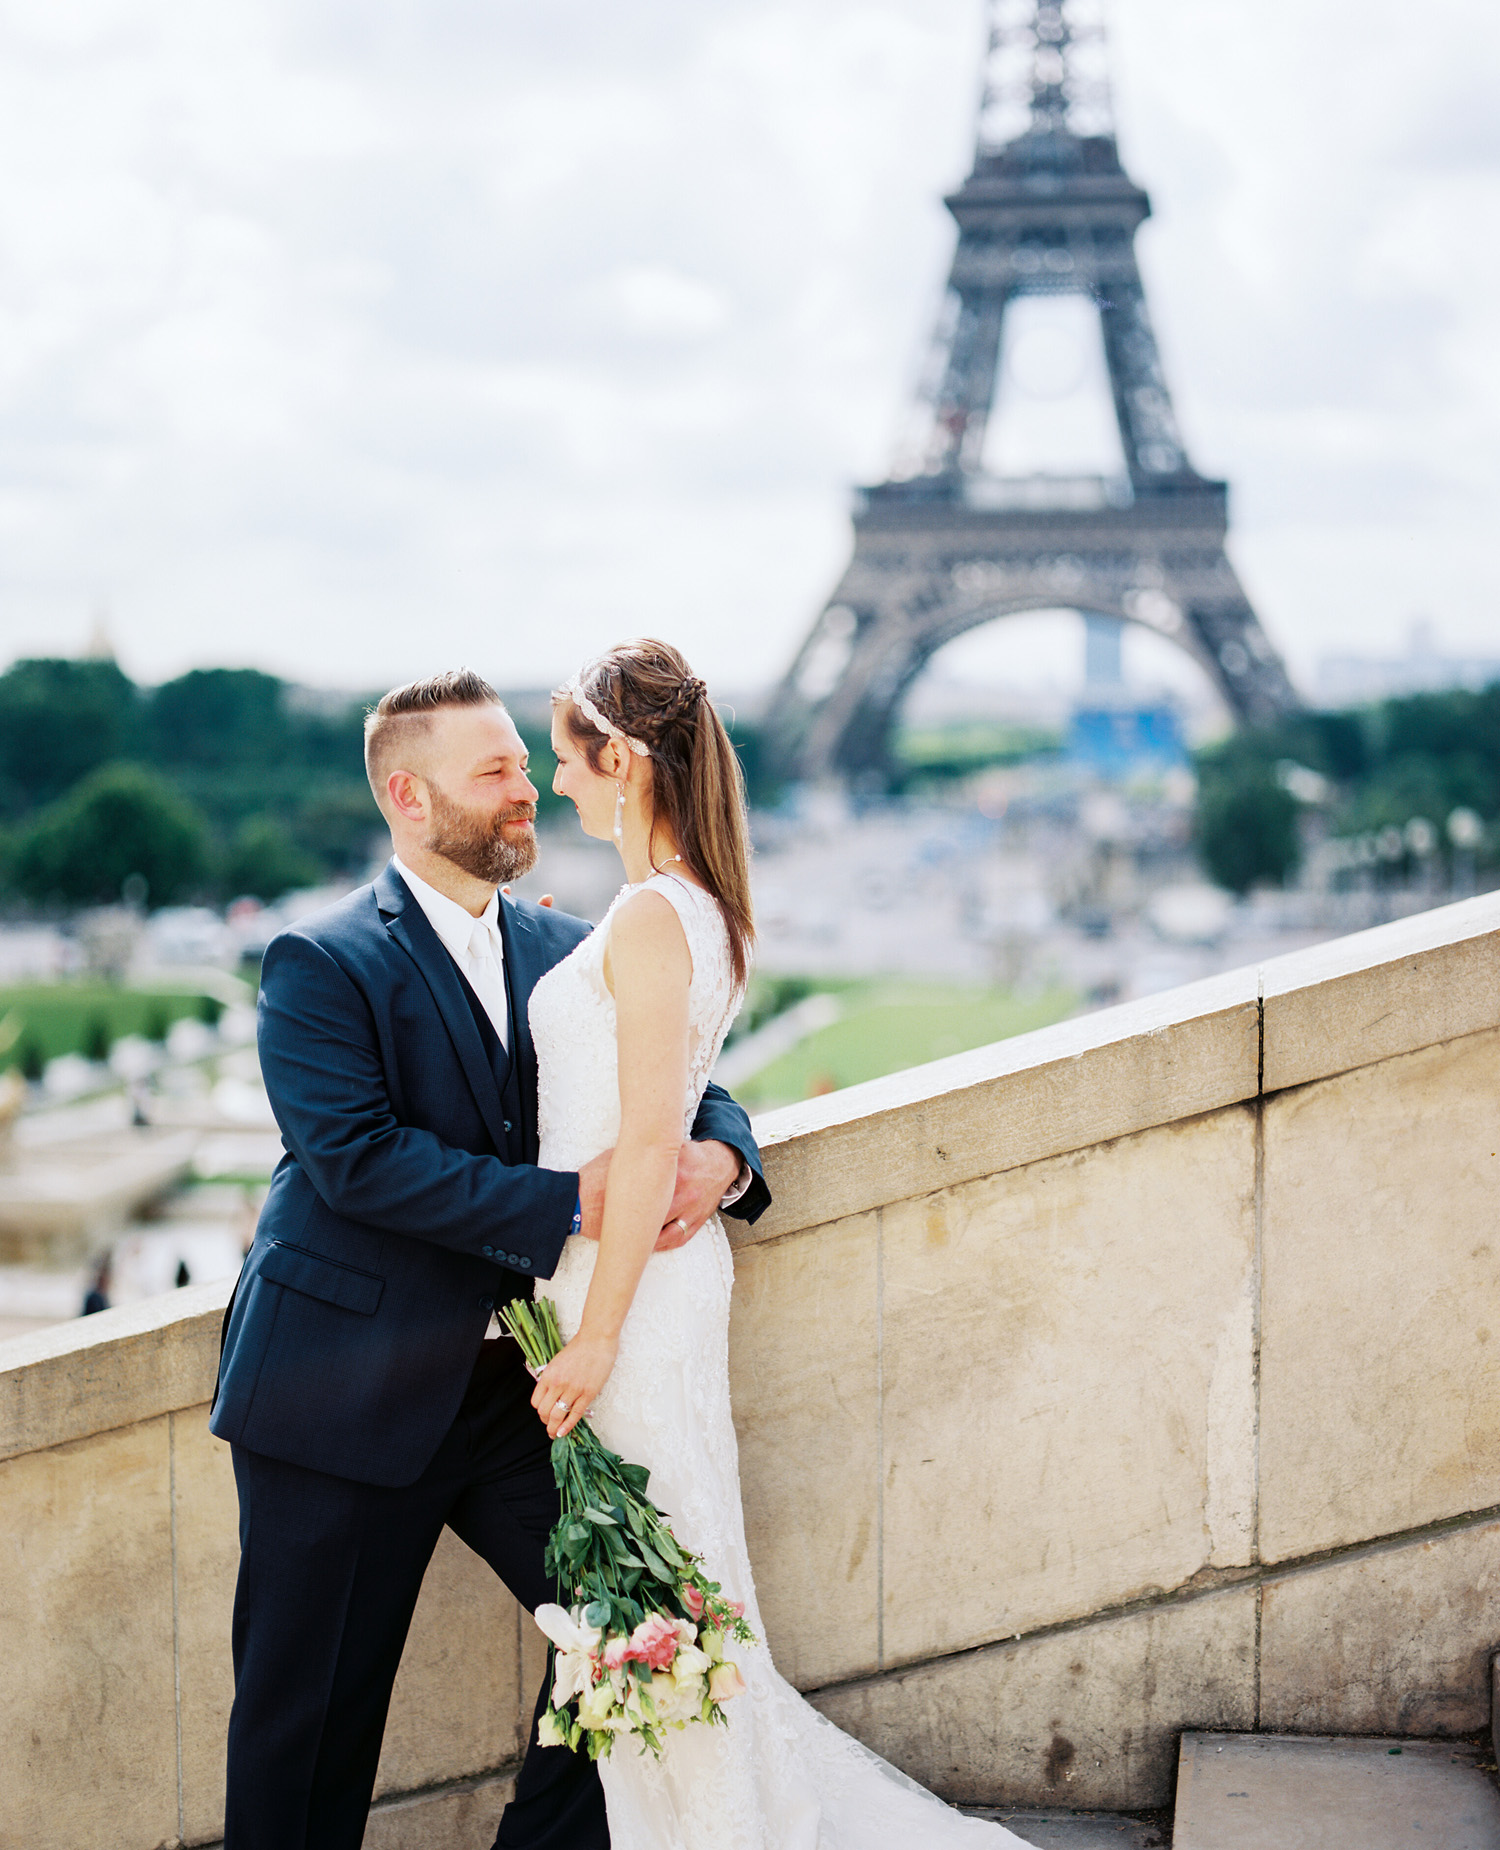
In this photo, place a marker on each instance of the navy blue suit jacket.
(408, 1204)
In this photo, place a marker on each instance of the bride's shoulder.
(646, 931)
(646, 909)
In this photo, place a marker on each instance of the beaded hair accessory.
(596, 719)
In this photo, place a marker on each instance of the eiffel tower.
(942, 546)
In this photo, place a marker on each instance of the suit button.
(507, 1123)
(486, 1303)
(488, 1251)
(525, 1263)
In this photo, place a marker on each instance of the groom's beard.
(478, 843)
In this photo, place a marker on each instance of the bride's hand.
(566, 1387)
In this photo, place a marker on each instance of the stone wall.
(1136, 1375)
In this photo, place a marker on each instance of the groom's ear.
(408, 795)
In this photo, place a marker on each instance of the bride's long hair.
(697, 788)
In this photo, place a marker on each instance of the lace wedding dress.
(780, 1776)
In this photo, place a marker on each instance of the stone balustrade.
(1136, 1375)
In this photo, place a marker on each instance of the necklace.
(631, 885)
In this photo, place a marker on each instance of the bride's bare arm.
(648, 967)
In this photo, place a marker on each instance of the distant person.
(97, 1296)
(364, 1404)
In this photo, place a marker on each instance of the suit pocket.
(317, 1277)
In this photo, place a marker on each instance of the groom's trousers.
(329, 1576)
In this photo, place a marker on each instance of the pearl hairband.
(595, 718)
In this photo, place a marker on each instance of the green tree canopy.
(1246, 823)
(121, 820)
(59, 720)
(265, 862)
(217, 718)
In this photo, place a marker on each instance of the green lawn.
(887, 1026)
(39, 1021)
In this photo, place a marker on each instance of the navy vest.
(512, 1283)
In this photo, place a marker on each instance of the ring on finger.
(686, 1231)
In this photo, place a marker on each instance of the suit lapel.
(408, 924)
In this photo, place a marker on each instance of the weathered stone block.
(86, 1689)
(456, 1706)
(1068, 1359)
(1381, 993)
(1062, 1088)
(804, 1350)
(1087, 1717)
(1380, 1349)
(463, 1816)
(1394, 1640)
(114, 1369)
(208, 1560)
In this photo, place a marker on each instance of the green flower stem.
(611, 1546)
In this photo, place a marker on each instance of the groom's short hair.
(395, 727)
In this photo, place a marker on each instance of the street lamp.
(1421, 839)
(1466, 832)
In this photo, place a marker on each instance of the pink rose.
(654, 1641)
(724, 1681)
(616, 1652)
(693, 1600)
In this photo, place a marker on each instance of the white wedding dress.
(780, 1776)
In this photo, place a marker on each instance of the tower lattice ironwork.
(943, 546)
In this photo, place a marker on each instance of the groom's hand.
(705, 1174)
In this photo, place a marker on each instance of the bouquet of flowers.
(639, 1648)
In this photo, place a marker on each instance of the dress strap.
(687, 901)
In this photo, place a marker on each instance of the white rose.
(690, 1664)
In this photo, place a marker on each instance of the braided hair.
(646, 689)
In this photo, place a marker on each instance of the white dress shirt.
(475, 945)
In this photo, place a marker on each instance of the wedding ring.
(683, 1225)
(561, 1406)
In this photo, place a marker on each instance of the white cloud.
(355, 339)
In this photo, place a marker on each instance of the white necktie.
(487, 977)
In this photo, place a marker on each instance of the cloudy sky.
(352, 338)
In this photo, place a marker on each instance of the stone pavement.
(1317, 1792)
(1076, 1830)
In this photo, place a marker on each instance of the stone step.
(1321, 1792)
(1075, 1830)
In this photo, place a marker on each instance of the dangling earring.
(620, 816)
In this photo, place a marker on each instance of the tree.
(338, 824)
(59, 720)
(220, 718)
(119, 821)
(1246, 822)
(1247, 833)
(265, 862)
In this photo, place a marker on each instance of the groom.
(364, 1387)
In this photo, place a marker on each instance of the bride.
(627, 1029)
